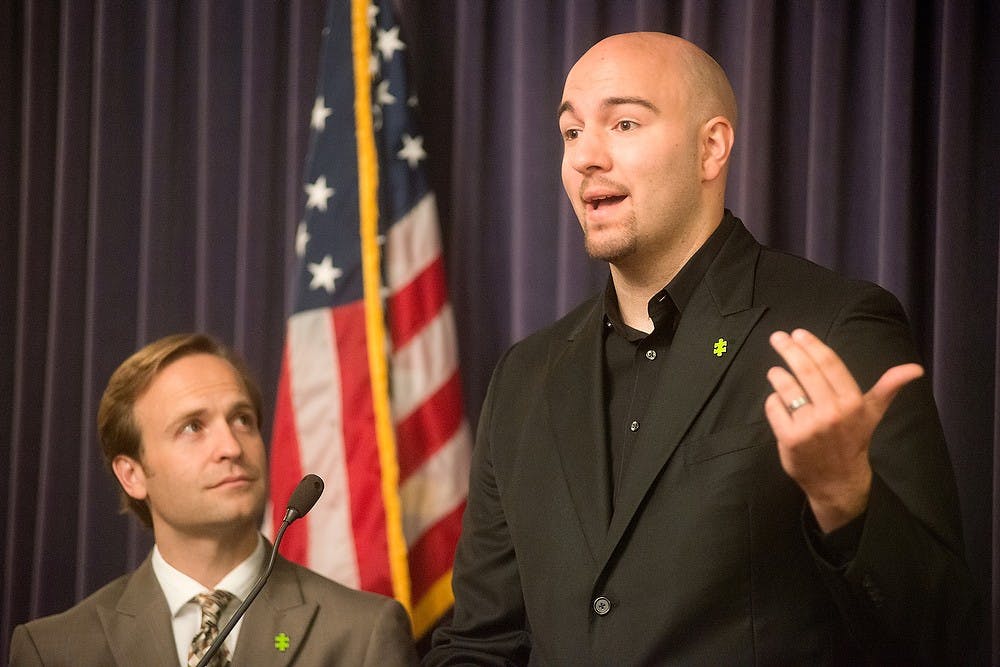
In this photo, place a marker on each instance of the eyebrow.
(199, 412)
(613, 102)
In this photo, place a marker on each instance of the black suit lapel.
(711, 331)
(574, 405)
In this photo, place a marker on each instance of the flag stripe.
(428, 427)
(284, 477)
(434, 551)
(413, 243)
(314, 368)
(360, 451)
(417, 303)
(423, 365)
(430, 562)
(426, 494)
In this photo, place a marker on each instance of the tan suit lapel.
(719, 309)
(279, 612)
(139, 628)
(574, 408)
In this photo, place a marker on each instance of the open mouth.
(597, 202)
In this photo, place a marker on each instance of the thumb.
(880, 396)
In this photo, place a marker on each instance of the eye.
(626, 125)
(246, 420)
(571, 134)
(193, 426)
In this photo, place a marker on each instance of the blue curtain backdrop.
(150, 163)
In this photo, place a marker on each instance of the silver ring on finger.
(797, 403)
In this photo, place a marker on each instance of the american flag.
(369, 397)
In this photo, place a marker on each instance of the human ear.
(717, 137)
(130, 475)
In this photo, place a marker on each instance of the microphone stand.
(303, 498)
(214, 648)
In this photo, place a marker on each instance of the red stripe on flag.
(414, 305)
(429, 427)
(286, 469)
(432, 554)
(361, 450)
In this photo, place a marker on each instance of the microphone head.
(304, 496)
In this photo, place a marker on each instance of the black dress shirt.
(632, 358)
(631, 367)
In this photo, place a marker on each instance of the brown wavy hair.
(116, 425)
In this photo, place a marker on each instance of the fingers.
(820, 373)
(777, 413)
(881, 395)
(815, 372)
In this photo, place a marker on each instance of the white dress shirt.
(179, 589)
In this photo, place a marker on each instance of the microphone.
(305, 495)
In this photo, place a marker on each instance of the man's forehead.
(193, 378)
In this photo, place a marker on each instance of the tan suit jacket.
(128, 623)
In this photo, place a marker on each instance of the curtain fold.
(150, 182)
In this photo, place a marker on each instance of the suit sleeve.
(23, 652)
(489, 625)
(390, 643)
(907, 591)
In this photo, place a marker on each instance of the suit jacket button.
(602, 605)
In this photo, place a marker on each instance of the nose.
(228, 444)
(589, 152)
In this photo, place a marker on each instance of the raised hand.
(824, 424)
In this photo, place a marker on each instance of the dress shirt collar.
(180, 588)
(666, 305)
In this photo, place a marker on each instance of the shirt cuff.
(838, 547)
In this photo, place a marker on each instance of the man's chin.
(608, 252)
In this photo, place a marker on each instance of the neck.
(206, 559)
(638, 277)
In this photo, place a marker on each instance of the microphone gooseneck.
(305, 495)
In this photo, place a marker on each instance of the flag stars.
(320, 113)
(373, 11)
(389, 42)
(324, 274)
(382, 94)
(319, 194)
(413, 150)
(302, 238)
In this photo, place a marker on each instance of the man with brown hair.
(180, 430)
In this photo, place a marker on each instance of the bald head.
(647, 125)
(697, 77)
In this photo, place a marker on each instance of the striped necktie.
(212, 605)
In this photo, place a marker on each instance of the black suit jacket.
(127, 623)
(705, 560)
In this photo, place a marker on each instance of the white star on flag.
(413, 150)
(324, 274)
(389, 42)
(301, 239)
(373, 11)
(382, 94)
(320, 113)
(319, 194)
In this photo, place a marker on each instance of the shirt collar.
(674, 297)
(179, 588)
